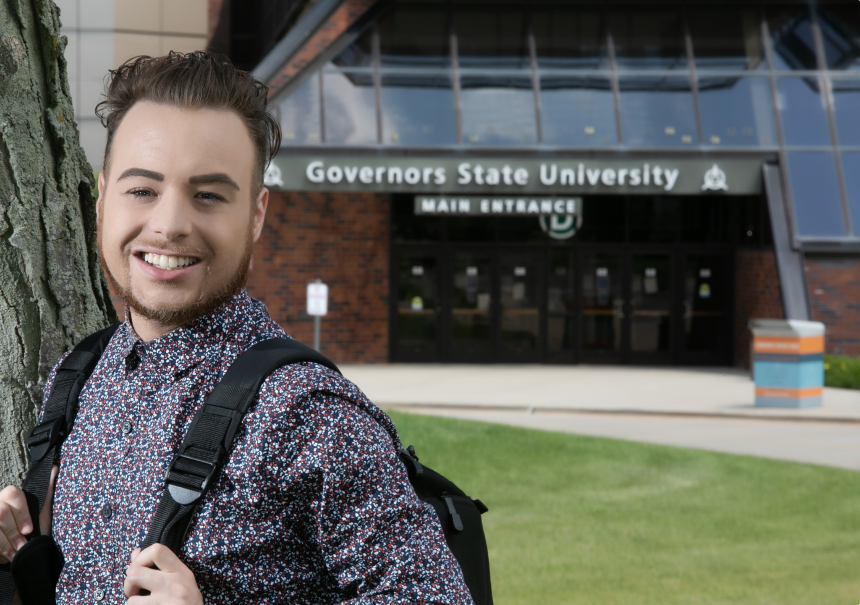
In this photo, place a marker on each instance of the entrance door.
(416, 328)
(602, 281)
(471, 283)
(520, 290)
(650, 295)
(706, 337)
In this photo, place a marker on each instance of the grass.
(597, 521)
(842, 372)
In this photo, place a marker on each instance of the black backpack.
(194, 469)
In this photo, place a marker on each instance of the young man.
(313, 505)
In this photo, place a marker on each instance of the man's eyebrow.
(215, 177)
(149, 174)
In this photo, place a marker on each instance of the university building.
(557, 182)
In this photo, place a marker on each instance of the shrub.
(841, 371)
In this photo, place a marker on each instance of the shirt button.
(107, 512)
(98, 594)
(126, 427)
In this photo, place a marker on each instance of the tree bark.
(52, 291)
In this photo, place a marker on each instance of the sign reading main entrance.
(501, 206)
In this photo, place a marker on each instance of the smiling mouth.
(169, 263)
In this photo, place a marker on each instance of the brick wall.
(342, 239)
(757, 296)
(834, 293)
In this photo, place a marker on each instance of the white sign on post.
(317, 299)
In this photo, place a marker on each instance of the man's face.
(178, 214)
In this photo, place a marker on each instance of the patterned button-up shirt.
(313, 505)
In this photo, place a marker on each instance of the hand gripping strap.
(210, 436)
(46, 438)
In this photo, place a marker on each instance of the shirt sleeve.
(379, 542)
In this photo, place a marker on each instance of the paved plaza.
(709, 408)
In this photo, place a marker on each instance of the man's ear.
(262, 204)
(101, 185)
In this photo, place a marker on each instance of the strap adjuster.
(182, 493)
(44, 436)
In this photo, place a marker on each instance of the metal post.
(316, 332)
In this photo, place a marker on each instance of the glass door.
(520, 285)
(603, 316)
(650, 282)
(706, 337)
(471, 282)
(416, 327)
(561, 307)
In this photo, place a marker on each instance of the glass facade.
(779, 78)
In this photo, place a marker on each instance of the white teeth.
(163, 261)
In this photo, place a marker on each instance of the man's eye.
(209, 196)
(139, 193)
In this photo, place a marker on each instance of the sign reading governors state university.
(502, 176)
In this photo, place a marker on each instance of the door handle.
(619, 308)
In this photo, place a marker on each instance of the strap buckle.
(182, 493)
(44, 436)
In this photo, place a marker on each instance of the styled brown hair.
(196, 80)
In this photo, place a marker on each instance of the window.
(648, 39)
(851, 169)
(840, 33)
(737, 112)
(577, 111)
(817, 207)
(657, 111)
(300, 114)
(418, 109)
(846, 108)
(791, 37)
(566, 39)
(349, 102)
(498, 110)
(801, 107)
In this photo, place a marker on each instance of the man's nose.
(171, 217)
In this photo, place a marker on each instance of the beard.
(205, 303)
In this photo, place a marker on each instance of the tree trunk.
(52, 292)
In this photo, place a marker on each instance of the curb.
(614, 411)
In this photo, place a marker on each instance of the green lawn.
(586, 520)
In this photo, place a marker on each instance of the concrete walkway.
(703, 408)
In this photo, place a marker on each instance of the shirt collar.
(189, 343)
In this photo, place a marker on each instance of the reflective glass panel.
(801, 107)
(817, 209)
(519, 281)
(846, 108)
(359, 53)
(648, 39)
(300, 114)
(498, 110)
(350, 107)
(851, 170)
(471, 304)
(414, 38)
(602, 304)
(705, 302)
(726, 37)
(654, 219)
(417, 303)
(492, 39)
(561, 304)
(737, 111)
(603, 219)
(418, 109)
(570, 39)
(840, 32)
(791, 36)
(577, 111)
(650, 303)
(657, 112)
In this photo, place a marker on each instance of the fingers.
(15, 522)
(46, 514)
(158, 555)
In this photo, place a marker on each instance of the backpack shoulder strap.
(46, 438)
(195, 468)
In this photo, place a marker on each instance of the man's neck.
(147, 329)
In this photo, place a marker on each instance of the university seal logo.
(715, 180)
(272, 177)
